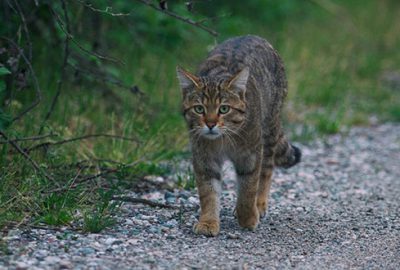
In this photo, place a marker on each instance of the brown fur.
(246, 75)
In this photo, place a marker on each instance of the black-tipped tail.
(287, 155)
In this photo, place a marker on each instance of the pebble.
(65, 264)
(86, 251)
(233, 236)
(22, 266)
(52, 259)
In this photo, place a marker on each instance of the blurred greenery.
(336, 53)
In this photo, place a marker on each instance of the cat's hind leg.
(264, 185)
(248, 167)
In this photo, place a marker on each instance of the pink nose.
(210, 125)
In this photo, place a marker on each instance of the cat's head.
(213, 106)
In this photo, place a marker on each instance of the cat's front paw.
(248, 218)
(209, 228)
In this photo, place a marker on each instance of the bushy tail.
(287, 155)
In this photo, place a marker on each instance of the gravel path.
(338, 209)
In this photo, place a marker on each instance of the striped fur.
(247, 75)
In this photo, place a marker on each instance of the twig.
(35, 81)
(71, 37)
(178, 17)
(111, 170)
(105, 79)
(143, 201)
(24, 26)
(88, 136)
(107, 10)
(63, 68)
(22, 224)
(33, 138)
(26, 156)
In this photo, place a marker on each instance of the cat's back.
(251, 51)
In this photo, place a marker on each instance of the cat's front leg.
(248, 167)
(208, 181)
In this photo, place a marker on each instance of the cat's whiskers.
(234, 132)
(195, 134)
(226, 134)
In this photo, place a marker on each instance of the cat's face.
(213, 107)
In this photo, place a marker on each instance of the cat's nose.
(210, 125)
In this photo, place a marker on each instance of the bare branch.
(111, 170)
(35, 81)
(26, 156)
(71, 37)
(63, 67)
(33, 138)
(88, 136)
(107, 10)
(143, 201)
(178, 17)
(24, 26)
(104, 78)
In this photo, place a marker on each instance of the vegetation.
(109, 110)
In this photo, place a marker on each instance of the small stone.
(232, 236)
(64, 264)
(154, 230)
(193, 200)
(171, 223)
(51, 259)
(132, 241)
(22, 266)
(170, 237)
(129, 222)
(117, 242)
(86, 251)
(110, 241)
(40, 254)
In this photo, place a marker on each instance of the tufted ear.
(239, 81)
(187, 79)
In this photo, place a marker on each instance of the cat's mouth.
(212, 133)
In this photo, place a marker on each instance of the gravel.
(338, 209)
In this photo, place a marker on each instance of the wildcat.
(232, 109)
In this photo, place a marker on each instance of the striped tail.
(287, 155)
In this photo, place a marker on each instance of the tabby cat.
(232, 109)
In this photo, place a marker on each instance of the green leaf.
(4, 71)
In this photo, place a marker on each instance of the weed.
(102, 214)
(186, 180)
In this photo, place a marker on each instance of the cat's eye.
(199, 109)
(223, 109)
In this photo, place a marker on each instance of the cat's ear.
(239, 81)
(187, 79)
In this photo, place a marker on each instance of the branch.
(84, 137)
(63, 68)
(143, 201)
(24, 26)
(71, 37)
(35, 81)
(33, 138)
(26, 156)
(102, 77)
(107, 10)
(111, 170)
(178, 17)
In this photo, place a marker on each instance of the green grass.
(334, 60)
